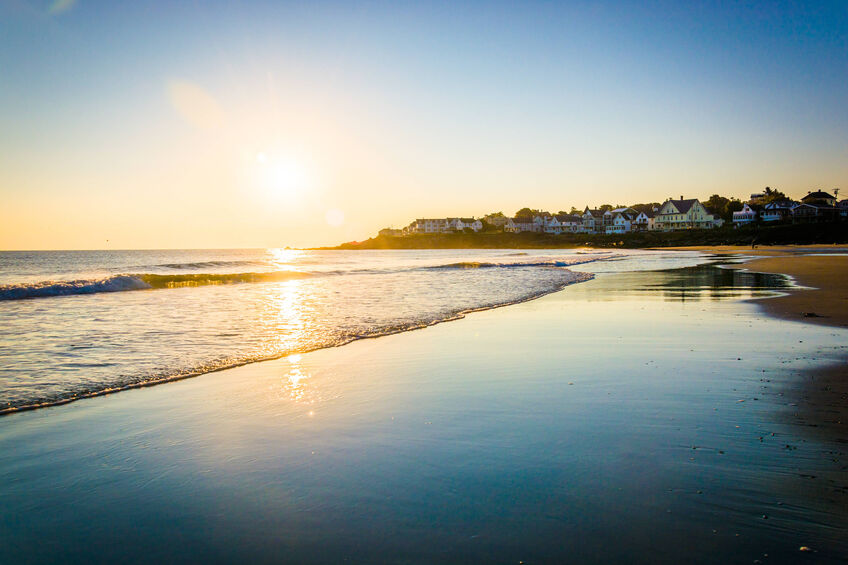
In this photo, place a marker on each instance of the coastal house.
(819, 197)
(593, 221)
(460, 224)
(842, 206)
(757, 198)
(644, 221)
(569, 223)
(684, 214)
(550, 224)
(777, 211)
(747, 215)
(520, 224)
(472, 223)
(622, 221)
(498, 220)
(429, 225)
(805, 213)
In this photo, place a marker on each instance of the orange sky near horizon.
(285, 125)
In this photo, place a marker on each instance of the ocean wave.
(127, 382)
(519, 264)
(208, 264)
(147, 281)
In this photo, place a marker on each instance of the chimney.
(681, 197)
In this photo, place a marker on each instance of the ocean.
(81, 323)
(641, 410)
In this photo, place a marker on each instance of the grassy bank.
(798, 234)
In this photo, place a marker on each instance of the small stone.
(804, 548)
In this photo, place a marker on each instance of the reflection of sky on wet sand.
(689, 284)
(597, 425)
(296, 383)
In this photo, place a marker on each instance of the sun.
(280, 176)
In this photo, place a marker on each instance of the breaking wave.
(484, 265)
(122, 283)
(121, 382)
(148, 281)
(207, 264)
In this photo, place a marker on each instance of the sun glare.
(280, 176)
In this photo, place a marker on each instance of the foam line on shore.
(416, 325)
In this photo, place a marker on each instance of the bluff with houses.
(672, 215)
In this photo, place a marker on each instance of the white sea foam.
(193, 321)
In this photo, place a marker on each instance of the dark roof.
(567, 217)
(780, 204)
(467, 220)
(813, 205)
(684, 205)
(522, 220)
(594, 213)
(818, 195)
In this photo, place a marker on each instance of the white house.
(644, 221)
(429, 225)
(550, 224)
(569, 223)
(684, 214)
(746, 215)
(777, 211)
(472, 223)
(593, 221)
(521, 224)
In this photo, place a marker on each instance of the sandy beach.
(640, 417)
(822, 271)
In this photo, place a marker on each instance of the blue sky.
(397, 110)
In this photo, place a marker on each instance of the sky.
(189, 124)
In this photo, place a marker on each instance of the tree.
(722, 207)
(524, 212)
(716, 204)
(772, 195)
(527, 212)
(487, 227)
(647, 207)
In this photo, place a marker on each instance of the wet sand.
(823, 397)
(638, 418)
(825, 276)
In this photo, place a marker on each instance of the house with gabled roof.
(819, 197)
(842, 206)
(569, 223)
(593, 221)
(777, 211)
(520, 224)
(684, 214)
(747, 215)
(805, 213)
(644, 221)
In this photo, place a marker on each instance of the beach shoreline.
(822, 300)
(504, 436)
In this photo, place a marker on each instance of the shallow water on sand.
(635, 418)
(76, 323)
